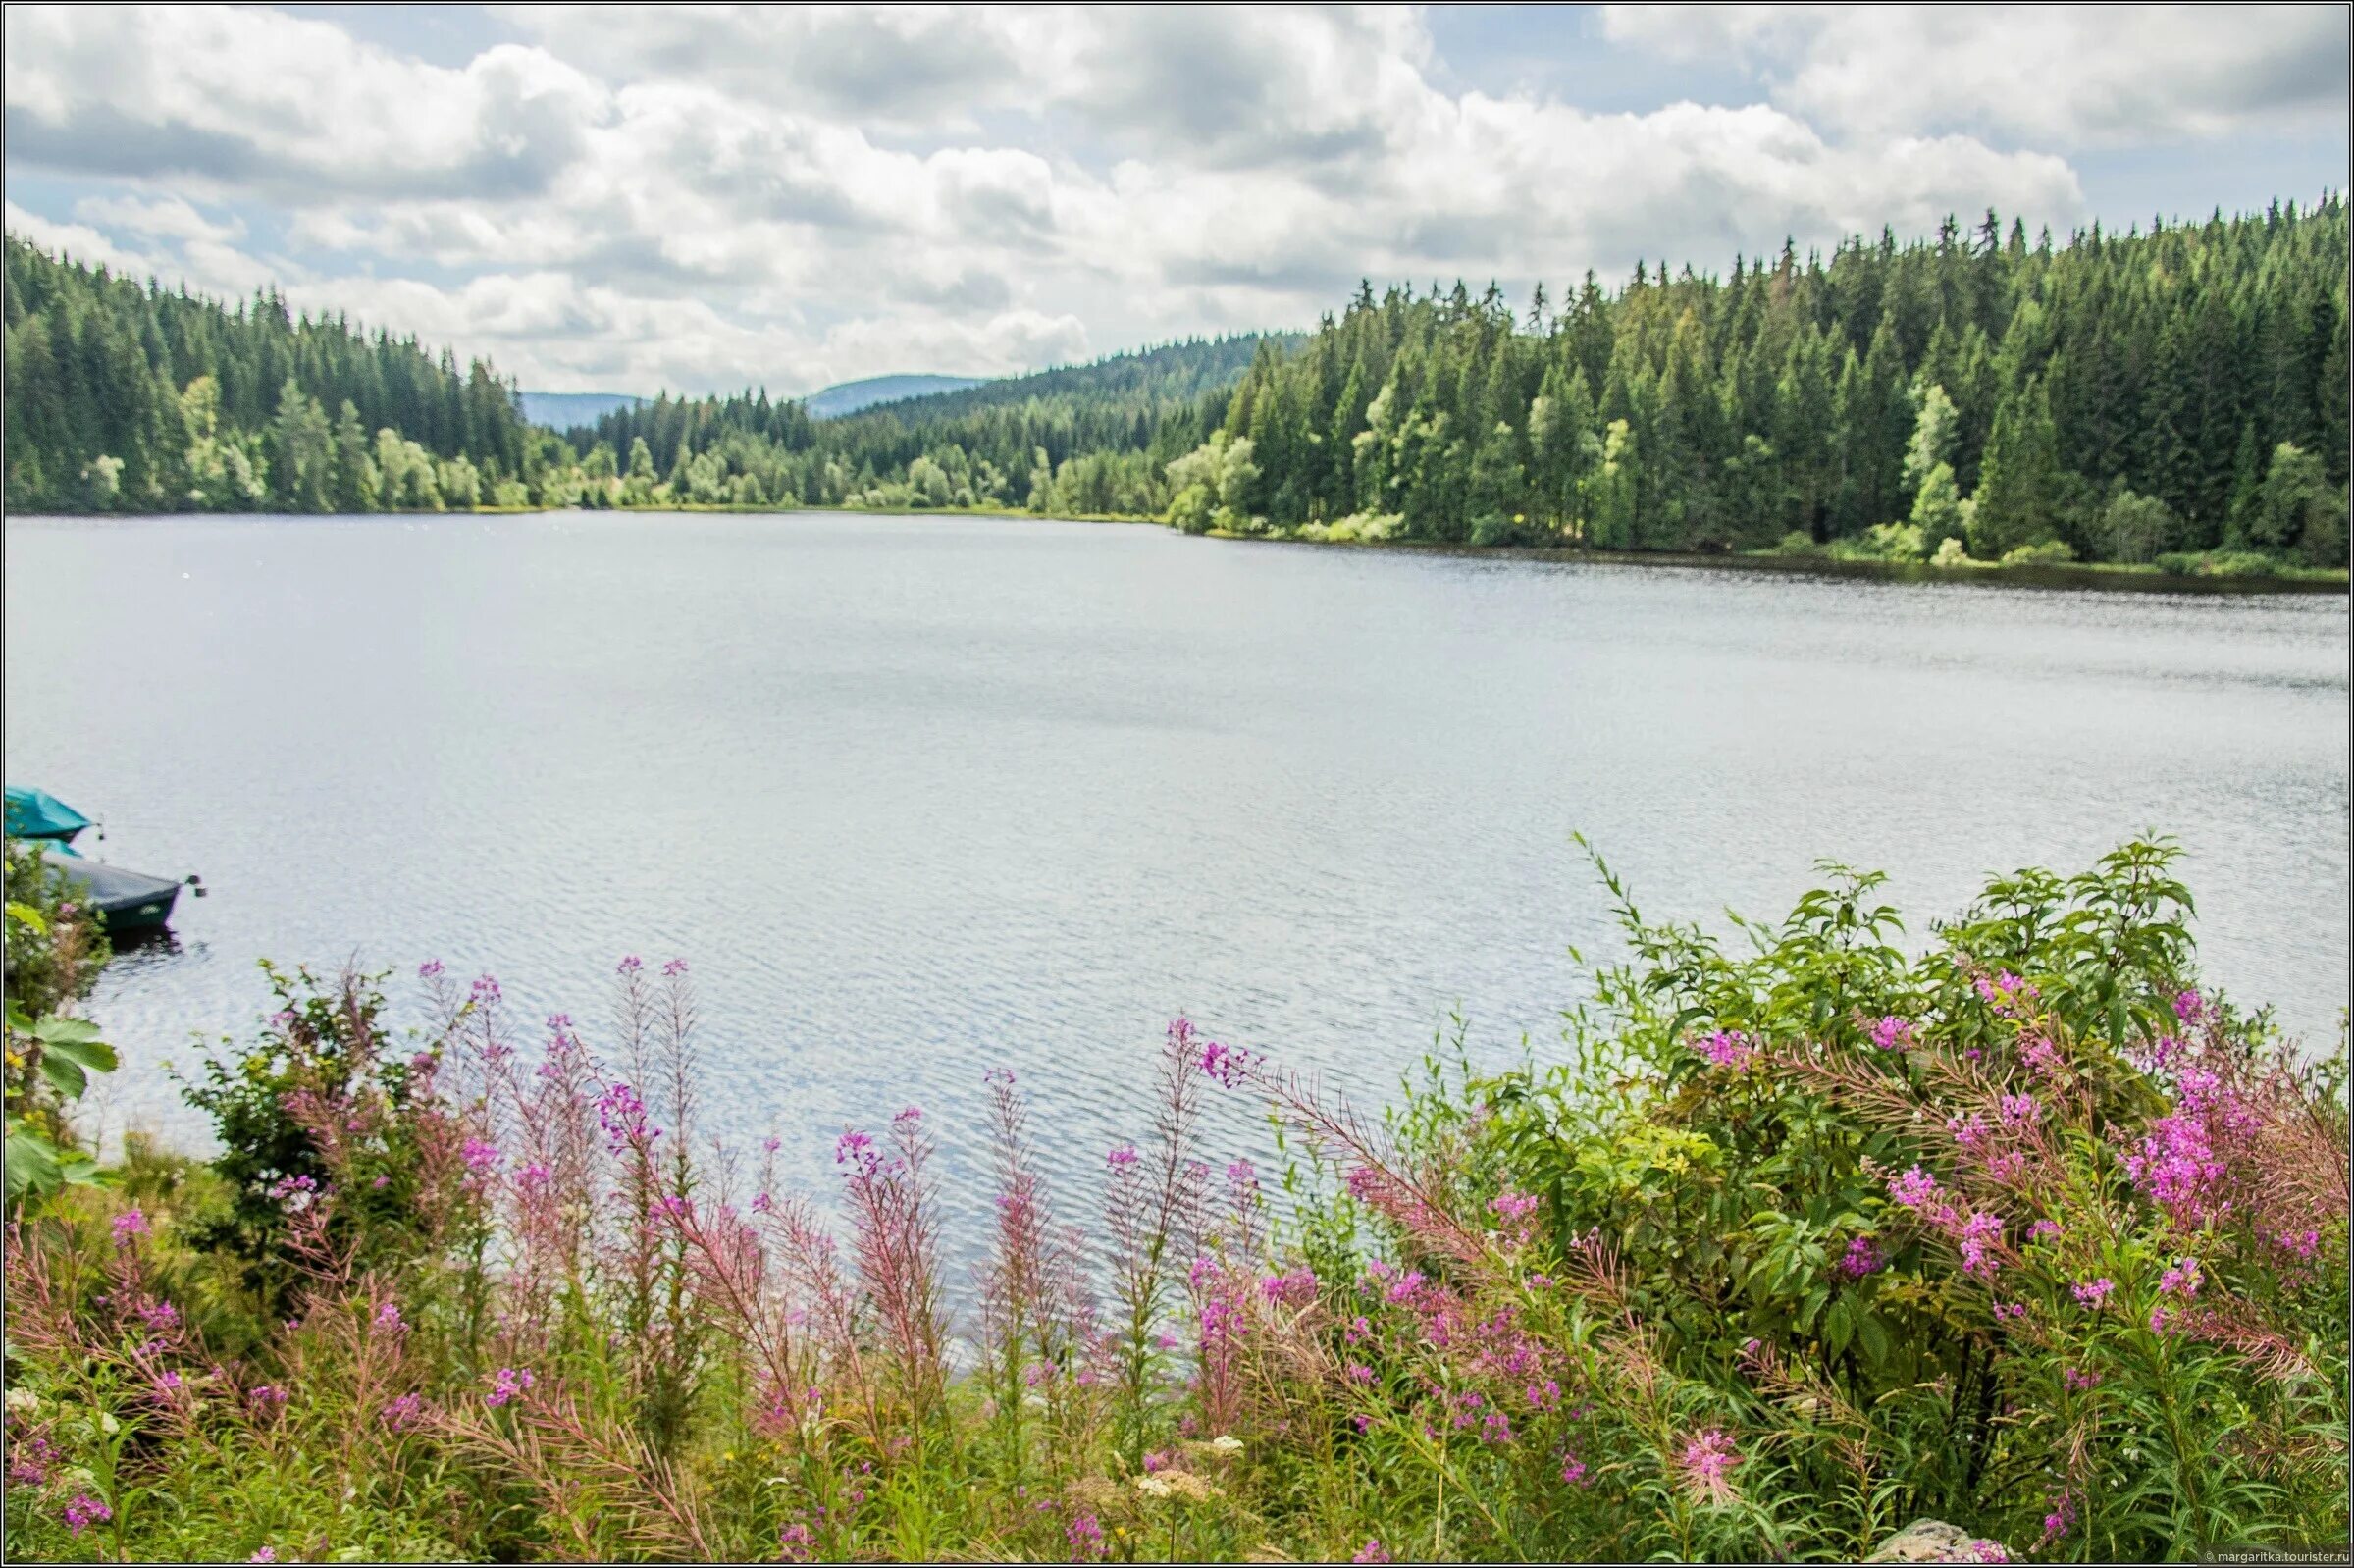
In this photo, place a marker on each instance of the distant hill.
(571, 410)
(848, 397)
(1156, 377)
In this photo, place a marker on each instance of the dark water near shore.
(918, 797)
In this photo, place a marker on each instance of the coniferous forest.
(2171, 392)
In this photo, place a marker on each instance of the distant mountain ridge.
(578, 410)
(848, 397)
(571, 410)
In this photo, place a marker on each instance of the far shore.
(2047, 574)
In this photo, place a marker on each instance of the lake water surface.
(916, 797)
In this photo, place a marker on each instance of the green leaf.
(26, 915)
(65, 1031)
(31, 1162)
(65, 1074)
(95, 1054)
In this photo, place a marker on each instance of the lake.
(918, 797)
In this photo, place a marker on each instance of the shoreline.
(2051, 575)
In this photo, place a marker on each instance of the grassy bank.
(1770, 1254)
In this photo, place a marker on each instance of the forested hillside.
(1086, 438)
(124, 398)
(2116, 397)
(2125, 396)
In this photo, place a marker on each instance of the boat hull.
(125, 901)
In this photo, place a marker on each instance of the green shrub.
(2050, 553)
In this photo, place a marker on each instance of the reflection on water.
(922, 795)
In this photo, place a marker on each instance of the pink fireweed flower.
(1913, 1188)
(506, 1384)
(1893, 1033)
(675, 968)
(485, 990)
(1573, 1471)
(267, 1397)
(1706, 1464)
(1358, 1372)
(2079, 1381)
(1087, 1537)
(2093, 1292)
(2042, 1057)
(168, 1385)
(1513, 1208)
(622, 1116)
(2190, 1006)
(2013, 1310)
(2181, 1279)
(628, 966)
(1372, 1551)
(1969, 1132)
(84, 1512)
(2302, 1245)
(404, 1412)
(480, 1156)
(129, 1223)
(1293, 1289)
(1121, 1157)
(1980, 1233)
(2021, 1110)
(2064, 1514)
(265, 1554)
(1862, 1257)
(388, 1317)
(159, 1315)
(1227, 1064)
(430, 970)
(1729, 1048)
(2043, 1231)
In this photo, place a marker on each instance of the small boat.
(125, 901)
(37, 814)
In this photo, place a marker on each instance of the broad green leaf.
(95, 1054)
(61, 1031)
(31, 1162)
(65, 1074)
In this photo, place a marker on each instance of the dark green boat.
(126, 901)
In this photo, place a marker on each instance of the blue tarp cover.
(37, 814)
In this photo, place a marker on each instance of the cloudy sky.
(701, 198)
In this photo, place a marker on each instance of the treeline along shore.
(2171, 397)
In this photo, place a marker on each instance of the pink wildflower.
(1708, 1463)
(1862, 1257)
(1893, 1033)
(85, 1510)
(130, 1223)
(506, 1385)
(1913, 1188)
(1729, 1048)
(2093, 1292)
(1980, 1233)
(1372, 1551)
(1120, 1159)
(1087, 1537)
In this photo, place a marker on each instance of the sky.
(703, 198)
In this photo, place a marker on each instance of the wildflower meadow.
(1778, 1248)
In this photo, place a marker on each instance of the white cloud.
(2060, 76)
(706, 197)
